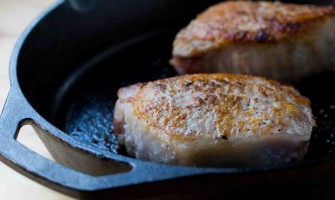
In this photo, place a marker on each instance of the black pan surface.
(84, 105)
(65, 73)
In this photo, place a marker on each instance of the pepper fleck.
(224, 137)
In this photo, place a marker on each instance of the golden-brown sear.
(304, 30)
(214, 120)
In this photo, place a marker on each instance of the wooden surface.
(15, 15)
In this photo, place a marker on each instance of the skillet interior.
(76, 93)
(85, 108)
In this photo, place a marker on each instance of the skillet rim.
(50, 128)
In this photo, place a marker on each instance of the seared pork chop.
(280, 41)
(214, 120)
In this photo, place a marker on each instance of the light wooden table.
(15, 15)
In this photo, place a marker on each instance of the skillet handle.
(40, 169)
(22, 159)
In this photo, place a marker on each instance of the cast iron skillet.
(65, 71)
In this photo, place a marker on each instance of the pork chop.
(214, 120)
(280, 41)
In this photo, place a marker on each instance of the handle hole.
(28, 137)
(43, 143)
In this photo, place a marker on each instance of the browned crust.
(245, 21)
(150, 111)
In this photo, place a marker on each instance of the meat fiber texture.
(214, 120)
(280, 41)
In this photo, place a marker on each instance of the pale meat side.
(214, 120)
(276, 40)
